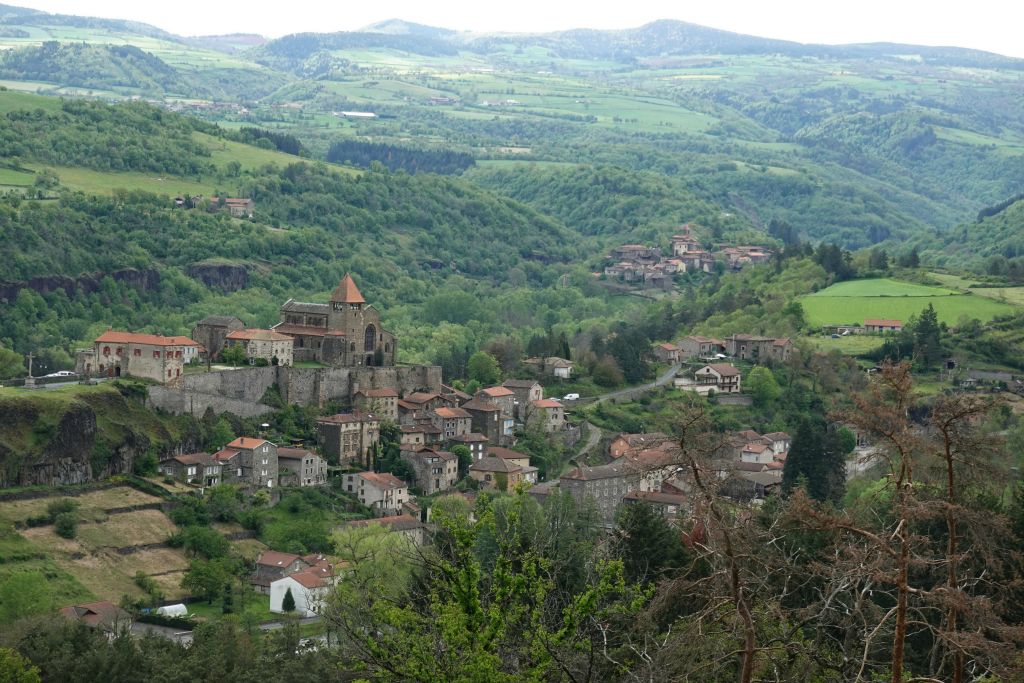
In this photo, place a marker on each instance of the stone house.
(435, 470)
(346, 332)
(699, 347)
(451, 421)
(148, 356)
(272, 565)
(102, 615)
(667, 353)
(629, 443)
(349, 438)
(238, 207)
(521, 460)
(476, 443)
(552, 365)
(667, 505)
(502, 397)
(381, 402)
(496, 473)
(526, 391)
(382, 492)
(548, 414)
(423, 434)
(249, 461)
(779, 442)
(758, 349)
(310, 589)
(489, 421)
(269, 345)
(201, 469)
(303, 467)
(685, 242)
(722, 377)
(211, 331)
(609, 484)
(455, 397)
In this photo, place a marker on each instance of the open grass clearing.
(107, 182)
(850, 345)
(826, 310)
(1010, 295)
(121, 530)
(879, 287)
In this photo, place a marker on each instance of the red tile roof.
(301, 330)
(225, 454)
(497, 392)
(506, 453)
(724, 369)
(308, 579)
(494, 464)
(112, 337)
(383, 479)
(421, 397)
(452, 413)
(346, 292)
(246, 442)
(378, 393)
(194, 459)
(547, 403)
(256, 334)
(294, 453)
(883, 323)
(272, 558)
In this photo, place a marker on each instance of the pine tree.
(816, 457)
(288, 604)
(928, 338)
(227, 605)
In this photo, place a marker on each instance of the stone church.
(344, 333)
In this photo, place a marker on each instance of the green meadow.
(856, 300)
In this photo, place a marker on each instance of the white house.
(309, 590)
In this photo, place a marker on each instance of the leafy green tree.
(220, 434)
(206, 578)
(288, 603)
(12, 364)
(14, 668)
(606, 373)
(762, 386)
(878, 259)
(200, 541)
(233, 354)
(484, 368)
(465, 458)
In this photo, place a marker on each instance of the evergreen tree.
(816, 457)
(288, 604)
(928, 338)
(227, 605)
(647, 543)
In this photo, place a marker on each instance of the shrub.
(60, 506)
(66, 524)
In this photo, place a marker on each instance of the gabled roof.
(778, 436)
(256, 334)
(491, 463)
(479, 405)
(668, 347)
(645, 439)
(293, 306)
(497, 392)
(881, 322)
(472, 437)
(218, 320)
(452, 413)
(750, 466)
(294, 453)
(420, 397)
(112, 337)
(96, 614)
(308, 578)
(656, 497)
(520, 383)
(724, 369)
(506, 453)
(383, 480)
(349, 418)
(272, 558)
(346, 292)
(247, 442)
(755, 448)
(302, 330)
(547, 403)
(610, 471)
(194, 459)
(749, 435)
(225, 454)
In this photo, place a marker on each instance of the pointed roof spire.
(346, 292)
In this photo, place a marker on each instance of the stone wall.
(239, 391)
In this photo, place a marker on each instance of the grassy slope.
(854, 301)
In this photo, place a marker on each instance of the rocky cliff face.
(226, 277)
(142, 280)
(48, 441)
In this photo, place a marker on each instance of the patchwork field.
(857, 300)
(102, 559)
(1010, 295)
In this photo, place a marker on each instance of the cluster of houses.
(646, 265)
(870, 326)
(238, 207)
(748, 347)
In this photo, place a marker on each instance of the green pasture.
(107, 182)
(880, 287)
(1009, 295)
(821, 310)
(850, 345)
(11, 177)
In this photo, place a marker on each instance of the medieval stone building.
(344, 333)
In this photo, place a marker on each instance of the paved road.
(632, 392)
(593, 438)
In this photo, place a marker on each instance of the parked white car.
(571, 397)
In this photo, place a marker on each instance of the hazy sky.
(983, 24)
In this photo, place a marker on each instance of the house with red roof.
(381, 402)
(249, 461)
(271, 346)
(382, 492)
(349, 437)
(201, 469)
(881, 325)
(130, 354)
(103, 615)
(546, 414)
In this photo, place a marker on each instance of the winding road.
(593, 431)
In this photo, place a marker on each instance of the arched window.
(370, 338)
